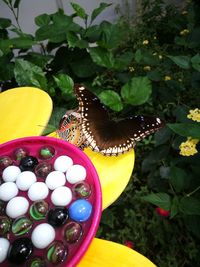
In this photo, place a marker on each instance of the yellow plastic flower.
(145, 42)
(184, 32)
(167, 78)
(188, 148)
(194, 115)
(147, 68)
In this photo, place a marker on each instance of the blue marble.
(80, 210)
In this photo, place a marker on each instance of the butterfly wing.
(108, 136)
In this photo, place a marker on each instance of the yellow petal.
(25, 111)
(103, 253)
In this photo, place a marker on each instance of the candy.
(5, 161)
(5, 224)
(73, 232)
(10, 173)
(28, 163)
(4, 247)
(80, 210)
(16, 207)
(43, 235)
(39, 209)
(20, 250)
(61, 196)
(8, 191)
(55, 179)
(57, 252)
(46, 152)
(62, 163)
(76, 173)
(43, 169)
(57, 216)
(37, 191)
(21, 225)
(25, 180)
(82, 190)
(20, 153)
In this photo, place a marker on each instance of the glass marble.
(20, 250)
(39, 210)
(43, 169)
(36, 262)
(72, 232)
(5, 161)
(28, 163)
(5, 224)
(58, 216)
(82, 190)
(21, 226)
(80, 210)
(20, 153)
(57, 252)
(46, 152)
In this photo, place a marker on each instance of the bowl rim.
(98, 198)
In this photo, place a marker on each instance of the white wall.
(29, 9)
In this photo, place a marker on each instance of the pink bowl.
(33, 144)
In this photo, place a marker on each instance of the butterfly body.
(107, 136)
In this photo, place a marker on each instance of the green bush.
(144, 64)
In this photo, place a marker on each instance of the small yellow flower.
(155, 53)
(188, 148)
(160, 56)
(131, 69)
(184, 32)
(147, 68)
(155, 37)
(167, 78)
(180, 80)
(145, 42)
(194, 115)
(184, 12)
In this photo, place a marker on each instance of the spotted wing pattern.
(107, 136)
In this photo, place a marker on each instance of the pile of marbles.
(46, 205)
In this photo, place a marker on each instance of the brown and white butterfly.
(102, 134)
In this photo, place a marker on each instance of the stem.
(16, 15)
(194, 191)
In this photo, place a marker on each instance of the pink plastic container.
(33, 145)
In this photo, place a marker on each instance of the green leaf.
(79, 10)
(27, 73)
(5, 23)
(16, 4)
(111, 35)
(182, 61)
(16, 43)
(162, 136)
(43, 19)
(74, 41)
(174, 207)
(102, 57)
(186, 129)
(179, 178)
(196, 62)
(190, 206)
(122, 61)
(161, 200)
(111, 99)
(66, 84)
(99, 10)
(137, 91)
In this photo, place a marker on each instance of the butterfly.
(101, 133)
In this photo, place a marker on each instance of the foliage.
(146, 64)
